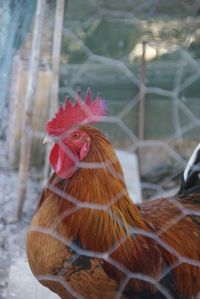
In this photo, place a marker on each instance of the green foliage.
(149, 9)
(72, 51)
(113, 38)
(195, 48)
(78, 10)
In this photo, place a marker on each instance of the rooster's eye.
(76, 135)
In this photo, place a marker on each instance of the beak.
(48, 139)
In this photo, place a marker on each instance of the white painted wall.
(131, 172)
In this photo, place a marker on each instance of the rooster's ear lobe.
(84, 150)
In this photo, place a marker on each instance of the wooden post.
(26, 139)
(57, 42)
(142, 94)
(13, 110)
(141, 112)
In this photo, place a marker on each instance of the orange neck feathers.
(99, 213)
(102, 195)
(99, 194)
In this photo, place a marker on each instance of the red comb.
(82, 112)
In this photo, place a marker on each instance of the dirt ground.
(13, 235)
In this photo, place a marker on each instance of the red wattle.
(63, 165)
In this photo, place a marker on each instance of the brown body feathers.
(88, 240)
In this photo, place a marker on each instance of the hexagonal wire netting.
(143, 56)
(102, 46)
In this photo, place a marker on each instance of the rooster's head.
(71, 143)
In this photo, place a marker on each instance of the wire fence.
(168, 86)
(154, 112)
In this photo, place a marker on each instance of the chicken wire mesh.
(102, 48)
(99, 53)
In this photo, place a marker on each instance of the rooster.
(87, 238)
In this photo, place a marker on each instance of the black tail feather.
(190, 182)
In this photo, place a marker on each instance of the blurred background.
(142, 56)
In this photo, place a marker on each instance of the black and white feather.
(191, 176)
